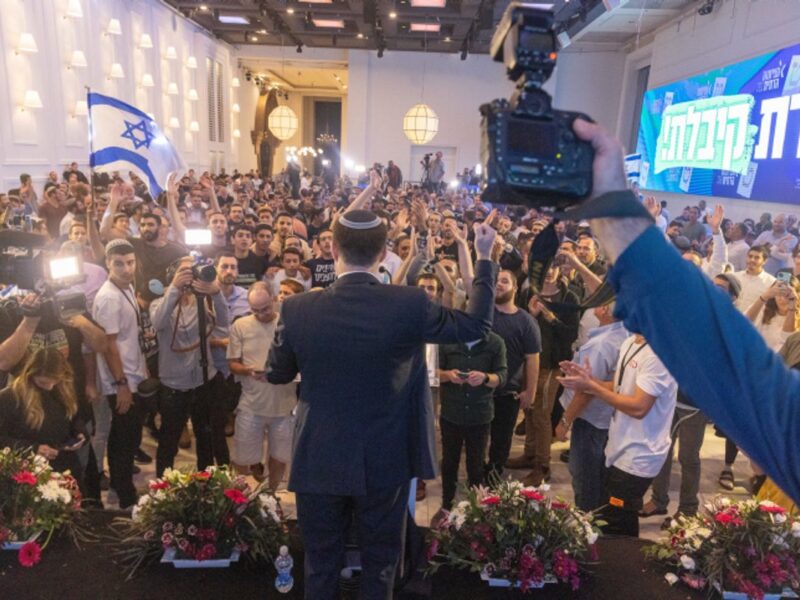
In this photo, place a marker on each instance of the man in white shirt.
(643, 394)
(780, 243)
(122, 367)
(263, 408)
(291, 261)
(738, 247)
(754, 279)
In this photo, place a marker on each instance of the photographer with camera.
(184, 319)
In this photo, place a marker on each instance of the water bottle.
(284, 582)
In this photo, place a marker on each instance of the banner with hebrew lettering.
(733, 131)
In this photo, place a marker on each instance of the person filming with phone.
(774, 312)
(39, 410)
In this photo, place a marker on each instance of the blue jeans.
(587, 464)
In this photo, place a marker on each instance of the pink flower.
(30, 554)
(771, 508)
(167, 526)
(490, 500)
(207, 552)
(25, 477)
(159, 485)
(235, 496)
(558, 505)
(166, 539)
(433, 548)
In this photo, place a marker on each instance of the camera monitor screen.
(63, 268)
(198, 237)
(535, 139)
(733, 131)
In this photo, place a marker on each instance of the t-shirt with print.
(640, 446)
(323, 272)
(251, 269)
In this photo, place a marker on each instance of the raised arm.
(172, 208)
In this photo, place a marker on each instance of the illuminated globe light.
(282, 122)
(420, 124)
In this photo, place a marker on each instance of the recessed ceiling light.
(290, 11)
(253, 38)
(392, 15)
(360, 36)
(329, 23)
(429, 27)
(447, 39)
(233, 20)
(262, 31)
(203, 7)
(429, 3)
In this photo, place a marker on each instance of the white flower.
(545, 487)
(463, 505)
(135, 512)
(64, 496)
(269, 502)
(457, 517)
(143, 500)
(724, 501)
(671, 578)
(779, 517)
(50, 491)
(703, 532)
(591, 537)
(687, 562)
(796, 529)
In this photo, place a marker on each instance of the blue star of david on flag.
(130, 133)
(146, 150)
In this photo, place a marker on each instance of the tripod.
(201, 326)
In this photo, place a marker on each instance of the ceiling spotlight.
(290, 11)
(392, 15)
(447, 39)
(299, 48)
(203, 7)
(262, 31)
(706, 8)
(253, 38)
(360, 36)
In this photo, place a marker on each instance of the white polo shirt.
(640, 446)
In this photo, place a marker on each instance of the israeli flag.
(123, 137)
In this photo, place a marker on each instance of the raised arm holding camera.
(184, 319)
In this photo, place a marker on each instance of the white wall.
(695, 44)
(381, 90)
(36, 141)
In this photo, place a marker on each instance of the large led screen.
(733, 131)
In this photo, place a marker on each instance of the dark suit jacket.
(365, 418)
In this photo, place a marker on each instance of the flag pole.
(91, 147)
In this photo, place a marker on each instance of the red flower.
(159, 485)
(771, 508)
(559, 505)
(30, 554)
(202, 475)
(727, 519)
(236, 496)
(207, 552)
(490, 500)
(433, 548)
(25, 477)
(532, 495)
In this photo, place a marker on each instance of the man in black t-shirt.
(251, 266)
(523, 340)
(323, 272)
(153, 255)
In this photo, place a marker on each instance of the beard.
(504, 297)
(228, 279)
(149, 236)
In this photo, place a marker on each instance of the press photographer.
(184, 319)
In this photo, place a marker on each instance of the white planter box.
(190, 563)
(18, 545)
(506, 583)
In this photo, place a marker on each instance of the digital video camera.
(530, 154)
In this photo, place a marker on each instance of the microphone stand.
(201, 325)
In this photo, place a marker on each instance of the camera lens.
(205, 273)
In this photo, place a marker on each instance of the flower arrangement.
(517, 534)
(749, 547)
(201, 515)
(34, 499)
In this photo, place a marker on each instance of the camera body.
(530, 154)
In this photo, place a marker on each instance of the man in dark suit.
(365, 421)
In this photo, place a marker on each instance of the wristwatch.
(486, 379)
(120, 382)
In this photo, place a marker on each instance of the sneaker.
(651, 510)
(519, 462)
(185, 440)
(421, 491)
(141, 457)
(726, 480)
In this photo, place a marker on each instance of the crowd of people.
(165, 340)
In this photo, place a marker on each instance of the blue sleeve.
(715, 354)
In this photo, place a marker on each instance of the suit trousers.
(380, 520)
(454, 437)
(688, 429)
(123, 440)
(538, 425)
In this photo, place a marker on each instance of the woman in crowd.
(778, 312)
(39, 410)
